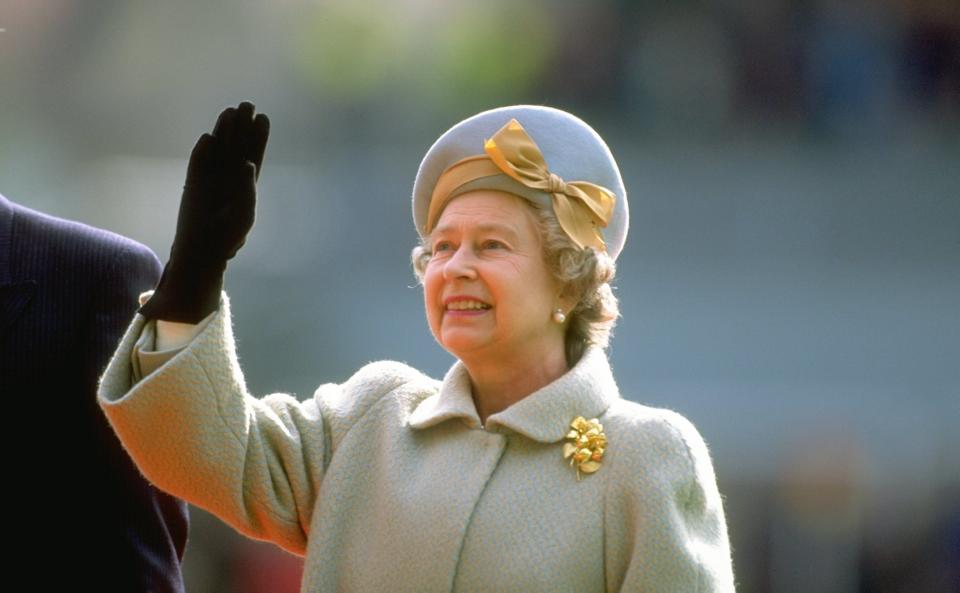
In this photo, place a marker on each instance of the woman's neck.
(497, 385)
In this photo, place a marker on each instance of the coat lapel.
(545, 415)
(454, 400)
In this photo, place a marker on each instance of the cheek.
(541, 284)
(431, 296)
(520, 269)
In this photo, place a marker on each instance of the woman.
(523, 470)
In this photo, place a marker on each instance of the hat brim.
(571, 149)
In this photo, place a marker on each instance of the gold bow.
(582, 208)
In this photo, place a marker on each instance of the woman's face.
(487, 290)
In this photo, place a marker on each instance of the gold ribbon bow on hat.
(582, 208)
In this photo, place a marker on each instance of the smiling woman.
(584, 273)
(487, 253)
(561, 484)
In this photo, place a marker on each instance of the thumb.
(199, 158)
(250, 173)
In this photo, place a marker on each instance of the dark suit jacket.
(75, 502)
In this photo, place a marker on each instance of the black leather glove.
(216, 213)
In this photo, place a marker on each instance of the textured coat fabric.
(67, 292)
(388, 481)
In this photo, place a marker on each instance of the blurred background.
(791, 282)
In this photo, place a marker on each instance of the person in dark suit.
(74, 499)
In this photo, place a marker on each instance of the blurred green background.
(790, 282)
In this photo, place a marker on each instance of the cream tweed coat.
(389, 483)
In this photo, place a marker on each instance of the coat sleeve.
(665, 527)
(160, 341)
(195, 431)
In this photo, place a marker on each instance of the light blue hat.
(571, 148)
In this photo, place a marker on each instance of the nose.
(460, 265)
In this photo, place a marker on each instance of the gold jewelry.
(582, 208)
(587, 446)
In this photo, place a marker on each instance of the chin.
(458, 345)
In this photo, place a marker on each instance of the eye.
(442, 246)
(493, 244)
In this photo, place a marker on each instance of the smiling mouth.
(467, 306)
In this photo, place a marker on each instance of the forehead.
(487, 210)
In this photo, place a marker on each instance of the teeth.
(466, 305)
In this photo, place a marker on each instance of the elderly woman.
(524, 469)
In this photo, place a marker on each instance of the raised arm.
(185, 415)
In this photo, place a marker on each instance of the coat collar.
(586, 390)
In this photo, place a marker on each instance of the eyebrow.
(482, 227)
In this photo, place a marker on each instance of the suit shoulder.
(76, 241)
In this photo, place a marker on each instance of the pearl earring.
(558, 316)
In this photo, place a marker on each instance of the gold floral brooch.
(587, 444)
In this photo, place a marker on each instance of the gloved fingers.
(219, 148)
(235, 137)
(258, 143)
(249, 197)
(237, 207)
(245, 111)
(224, 124)
(243, 123)
(249, 135)
(234, 216)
